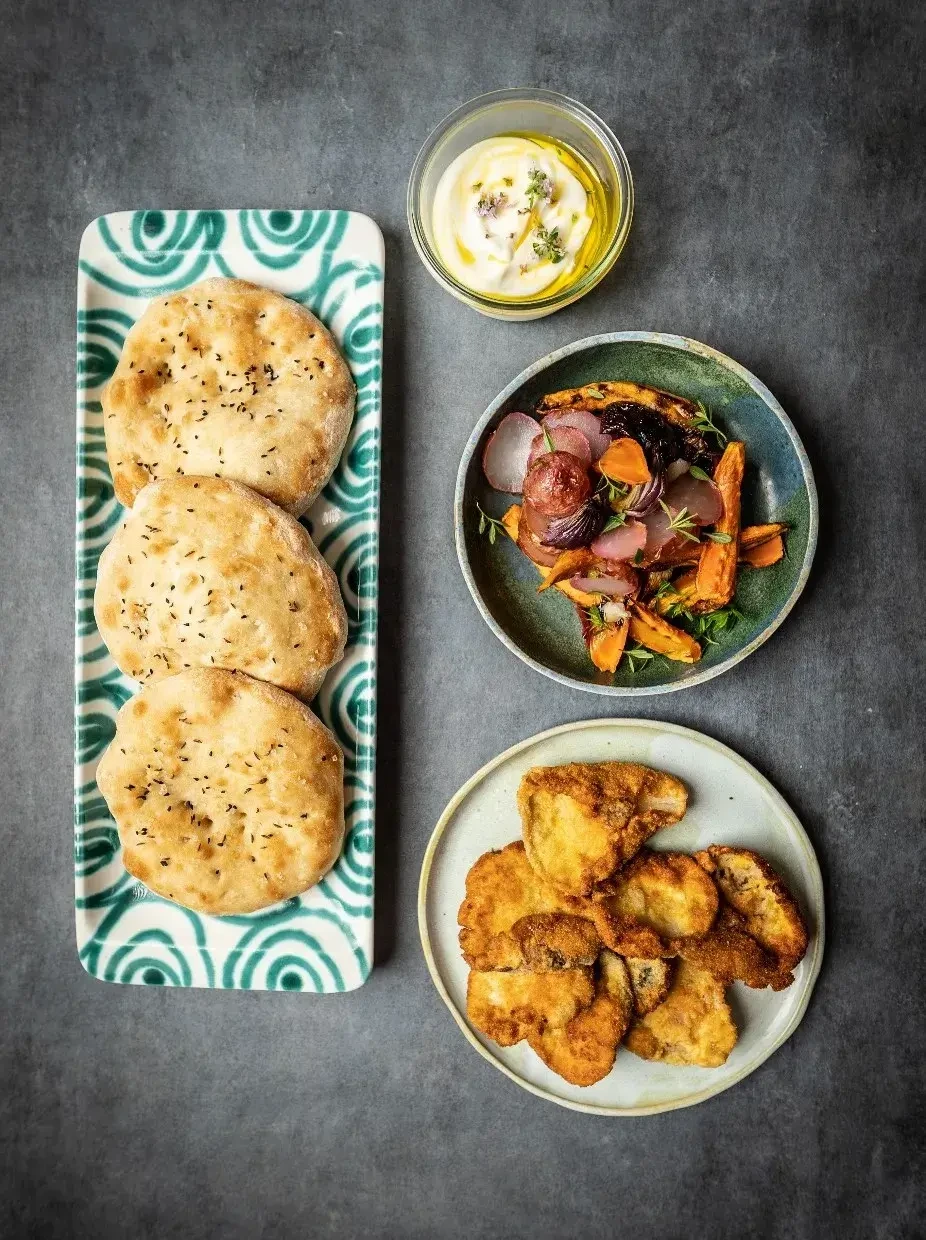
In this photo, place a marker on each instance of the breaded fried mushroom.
(583, 1051)
(506, 1007)
(551, 941)
(693, 1026)
(650, 980)
(582, 821)
(501, 887)
(731, 954)
(667, 893)
(770, 914)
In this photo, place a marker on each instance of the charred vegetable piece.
(512, 522)
(567, 564)
(656, 634)
(606, 645)
(596, 397)
(557, 484)
(755, 535)
(716, 582)
(765, 554)
(580, 528)
(624, 461)
(679, 594)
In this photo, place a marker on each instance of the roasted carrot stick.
(716, 580)
(765, 554)
(606, 645)
(651, 631)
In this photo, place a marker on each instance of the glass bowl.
(522, 111)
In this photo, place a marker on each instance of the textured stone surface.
(777, 156)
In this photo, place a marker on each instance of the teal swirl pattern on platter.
(331, 261)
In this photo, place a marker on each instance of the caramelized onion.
(579, 528)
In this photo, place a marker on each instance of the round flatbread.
(230, 380)
(227, 792)
(206, 573)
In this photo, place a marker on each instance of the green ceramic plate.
(543, 629)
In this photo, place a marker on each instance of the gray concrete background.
(777, 152)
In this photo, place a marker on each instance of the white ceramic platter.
(729, 803)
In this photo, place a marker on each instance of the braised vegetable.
(624, 461)
(567, 565)
(716, 581)
(557, 484)
(580, 528)
(765, 554)
(656, 634)
(606, 645)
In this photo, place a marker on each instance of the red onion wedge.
(622, 543)
(581, 420)
(505, 456)
(701, 498)
(616, 583)
(565, 439)
(645, 496)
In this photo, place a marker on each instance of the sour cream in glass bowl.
(520, 202)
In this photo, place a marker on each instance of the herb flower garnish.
(539, 187)
(489, 205)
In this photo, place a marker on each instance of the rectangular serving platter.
(332, 262)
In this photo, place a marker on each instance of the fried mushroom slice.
(507, 1006)
(650, 981)
(625, 936)
(583, 1051)
(582, 821)
(665, 892)
(730, 954)
(694, 1024)
(749, 884)
(550, 941)
(501, 888)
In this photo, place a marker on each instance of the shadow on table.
(390, 610)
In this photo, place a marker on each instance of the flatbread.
(227, 792)
(229, 380)
(206, 572)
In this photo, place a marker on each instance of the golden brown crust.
(206, 572)
(501, 887)
(582, 821)
(750, 885)
(583, 1051)
(693, 1025)
(666, 892)
(551, 941)
(730, 954)
(650, 981)
(507, 1006)
(229, 379)
(595, 398)
(227, 792)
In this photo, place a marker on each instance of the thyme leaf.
(703, 423)
(489, 525)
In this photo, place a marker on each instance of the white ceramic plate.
(729, 803)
